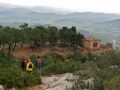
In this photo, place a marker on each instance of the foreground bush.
(56, 64)
(11, 74)
(113, 84)
(51, 57)
(104, 70)
(61, 67)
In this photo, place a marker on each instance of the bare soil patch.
(19, 52)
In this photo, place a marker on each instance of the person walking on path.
(29, 66)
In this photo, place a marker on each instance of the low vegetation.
(105, 71)
(56, 64)
(11, 73)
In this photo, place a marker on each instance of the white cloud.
(108, 6)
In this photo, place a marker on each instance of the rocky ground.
(59, 82)
(55, 82)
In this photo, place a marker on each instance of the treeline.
(38, 36)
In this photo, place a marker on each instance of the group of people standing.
(27, 65)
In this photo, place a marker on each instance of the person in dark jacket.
(38, 64)
(23, 65)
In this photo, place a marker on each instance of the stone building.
(92, 43)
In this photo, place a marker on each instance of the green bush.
(77, 56)
(94, 57)
(112, 84)
(105, 70)
(11, 74)
(51, 57)
(61, 67)
(55, 64)
(98, 85)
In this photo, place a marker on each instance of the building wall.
(86, 44)
(90, 44)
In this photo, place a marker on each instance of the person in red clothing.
(23, 65)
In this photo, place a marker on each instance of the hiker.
(38, 64)
(29, 66)
(24, 64)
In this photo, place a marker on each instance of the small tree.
(24, 26)
(53, 35)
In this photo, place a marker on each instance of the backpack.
(30, 65)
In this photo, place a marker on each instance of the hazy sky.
(107, 6)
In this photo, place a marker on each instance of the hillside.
(91, 24)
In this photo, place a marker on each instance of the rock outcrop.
(1, 87)
(59, 82)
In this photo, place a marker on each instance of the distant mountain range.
(104, 26)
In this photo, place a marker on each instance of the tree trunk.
(36, 45)
(14, 47)
(22, 45)
(9, 49)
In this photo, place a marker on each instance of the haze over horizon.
(100, 21)
(101, 6)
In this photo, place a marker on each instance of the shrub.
(51, 57)
(94, 57)
(78, 56)
(112, 84)
(61, 67)
(11, 74)
(105, 70)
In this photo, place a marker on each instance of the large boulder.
(1, 87)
